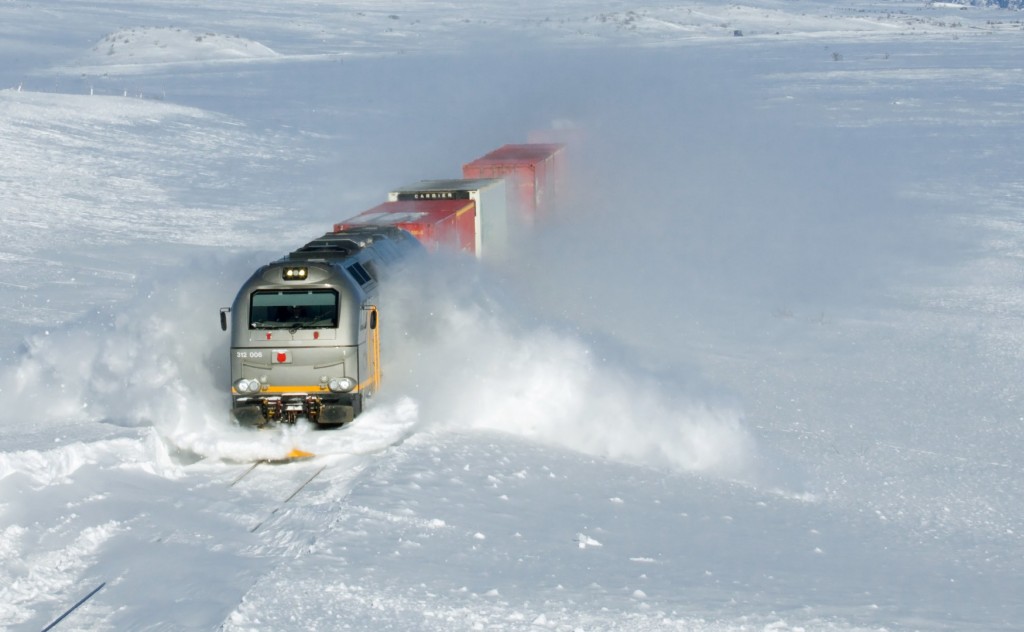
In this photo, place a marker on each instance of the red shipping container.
(533, 172)
(438, 224)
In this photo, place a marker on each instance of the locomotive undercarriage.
(270, 410)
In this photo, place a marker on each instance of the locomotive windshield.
(293, 309)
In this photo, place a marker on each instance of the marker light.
(295, 274)
(248, 386)
(341, 384)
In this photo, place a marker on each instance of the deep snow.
(760, 374)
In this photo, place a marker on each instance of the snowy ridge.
(58, 465)
(173, 45)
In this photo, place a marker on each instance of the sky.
(759, 372)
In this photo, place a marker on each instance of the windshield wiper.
(323, 322)
(273, 325)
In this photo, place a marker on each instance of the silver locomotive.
(305, 330)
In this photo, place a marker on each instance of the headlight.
(248, 386)
(341, 384)
(295, 274)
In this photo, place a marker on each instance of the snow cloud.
(474, 358)
(156, 361)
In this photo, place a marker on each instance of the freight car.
(305, 329)
(533, 173)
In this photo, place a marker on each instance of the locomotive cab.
(305, 338)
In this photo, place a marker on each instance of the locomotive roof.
(345, 243)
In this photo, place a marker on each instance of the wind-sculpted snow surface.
(762, 373)
(92, 183)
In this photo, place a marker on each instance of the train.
(305, 329)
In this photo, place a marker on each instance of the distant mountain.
(1003, 4)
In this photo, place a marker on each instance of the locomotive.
(305, 329)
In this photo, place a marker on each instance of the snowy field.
(761, 374)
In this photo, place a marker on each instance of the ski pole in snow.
(72, 608)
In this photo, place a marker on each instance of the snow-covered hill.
(761, 373)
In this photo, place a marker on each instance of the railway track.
(286, 500)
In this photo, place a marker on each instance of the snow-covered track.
(74, 607)
(286, 500)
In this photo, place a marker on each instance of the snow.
(150, 46)
(761, 373)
